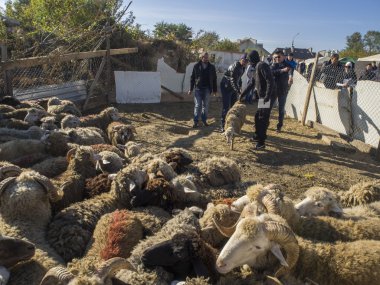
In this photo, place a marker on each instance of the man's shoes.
(205, 124)
(260, 146)
(195, 126)
(254, 138)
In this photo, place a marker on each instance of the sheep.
(15, 124)
(143, 159)
(101, 120)
(71, 229)
(184, 184)
(177, 158)
(361, 193)
(48, 123)
(160, 168)
(70, 121)
(72, 181)
(109, 162)
(120, 133)
(25, 213)
(115, 235)
(181, 223)
(8, 169)
(221, 213)
(56, 106)
(102, 275)
(131, 149)
(33, 132)
(107, 147)
(20, 114)
(343, 263)
(235, 119)
(82, 136)
(51, 166)
(14, 250)
(152, 218)
(218, 171)
(97, 185)
(10, 100)
(6, 109)
(318, 228)
(184, 254)
(320, 201)
(23, 153)
(34, 115)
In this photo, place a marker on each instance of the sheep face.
(13, 250)
(70, 121)
(34, 115)
(113, 113)
(48, 123)
(319, 202)
(54, 101)
(245, 246)
(229, 134)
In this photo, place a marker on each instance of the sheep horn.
(4, 184)
(57, 275)
(55, 194)
(9, 170)
(225, 231)
(283, 236)
(269, 202)
(70, 153)
(112, 265)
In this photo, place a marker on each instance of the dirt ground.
(295, 158)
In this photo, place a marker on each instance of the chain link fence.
(344, 99)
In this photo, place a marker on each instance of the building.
(298, 53)
(248, 44)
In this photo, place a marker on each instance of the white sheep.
(329, 264)
(101, 120)
(235, 119)
(109, 162)
(33, 132)
(70, 121)
(25, 213)
(131, 149)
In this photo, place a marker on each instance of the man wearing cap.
(203, 79)
(263, 81)
(283, 76)
(231, 84)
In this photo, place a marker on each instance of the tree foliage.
(358, 46)
(170, 31)
(227, 45)
(205, 40)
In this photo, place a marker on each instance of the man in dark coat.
(203, 80)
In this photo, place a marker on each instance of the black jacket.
(281, 78)
(196, 79)
(263, 81)
(233, 76)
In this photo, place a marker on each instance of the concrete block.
(338, 144)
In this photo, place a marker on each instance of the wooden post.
(309, 89)
(108, 63)
(8, 89)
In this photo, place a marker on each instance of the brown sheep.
(120, 133)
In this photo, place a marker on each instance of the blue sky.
(321, 24)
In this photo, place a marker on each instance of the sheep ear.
(112, 176)
(132, 186)
(275, 249)
(105, 161)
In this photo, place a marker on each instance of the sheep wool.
(101, 120)
(51, 166)
(361, 193)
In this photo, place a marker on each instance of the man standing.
(263, 81)
(231, 84)
(332, 72)
(283, 77)
(203, 79)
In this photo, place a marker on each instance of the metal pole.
(309, 89)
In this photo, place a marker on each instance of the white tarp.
(375, 57)
(137, 87)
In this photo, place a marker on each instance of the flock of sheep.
(81, 203)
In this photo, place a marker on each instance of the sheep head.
(14, 250)
(319, 201)
(53, 101)
(48, 123)
(107, 270)
(253, 238)
(70, 121)
(34, 115)
(112, 113)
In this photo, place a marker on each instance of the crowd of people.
(267, 83)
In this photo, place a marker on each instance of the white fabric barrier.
(137, 87)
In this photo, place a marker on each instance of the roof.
(298, 53)
(375, 57)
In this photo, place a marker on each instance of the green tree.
(227, 45)
(355, 42)
(206, 40)
(169, 31)
(372, 41)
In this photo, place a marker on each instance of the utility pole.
(294, 39)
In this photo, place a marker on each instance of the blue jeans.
(201, 101)
(229, 98)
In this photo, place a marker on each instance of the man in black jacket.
(203, 79)
(283, 73)
(264, 84)
(230, 86)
